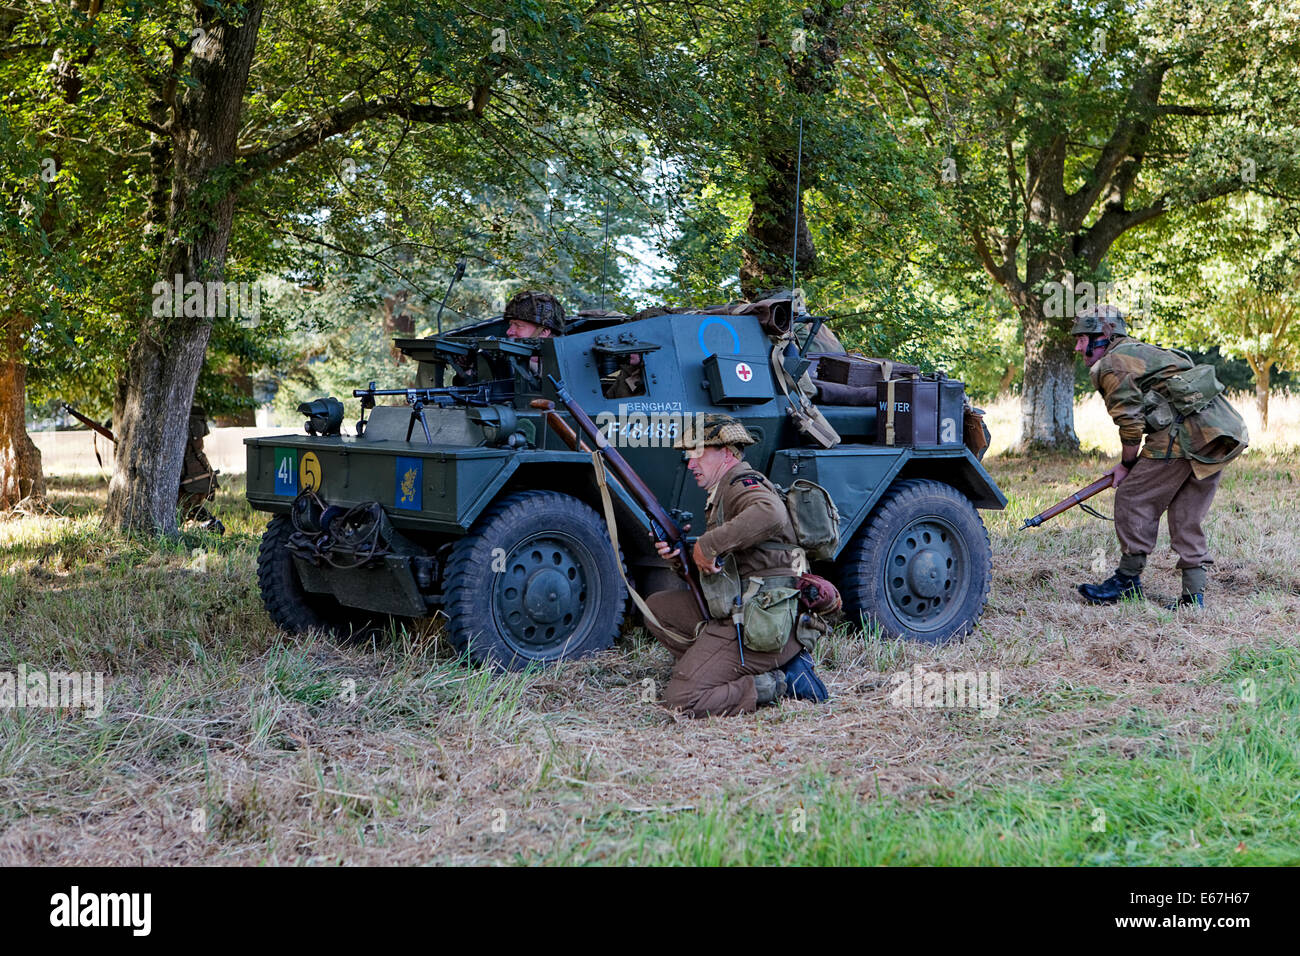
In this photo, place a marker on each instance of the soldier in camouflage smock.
(1191, 433)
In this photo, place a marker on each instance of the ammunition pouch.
(722, 589)
(808, 630)
(1157, 412)
(770, 613)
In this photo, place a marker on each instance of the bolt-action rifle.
(1065, 504)
(88, 421)
(199, 512)
(662, 525)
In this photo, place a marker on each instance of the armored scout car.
(462, 501)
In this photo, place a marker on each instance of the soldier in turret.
(534, 315)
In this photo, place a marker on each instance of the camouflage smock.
(1128, 377)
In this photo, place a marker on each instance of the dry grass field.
(1124, 735)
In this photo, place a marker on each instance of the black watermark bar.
(332, 905)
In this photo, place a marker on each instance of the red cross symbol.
(743, 371)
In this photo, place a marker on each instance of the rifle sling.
(612, 527)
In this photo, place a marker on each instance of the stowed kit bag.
(1191, 391)
(975, 432)
(858, 371)
(815, 518)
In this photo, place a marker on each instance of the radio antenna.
(798, 195)
(604, 253)
(460, 272)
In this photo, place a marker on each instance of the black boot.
(1113, 590)
(1187, 600)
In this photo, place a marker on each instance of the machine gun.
(662, 525)
(483, 394)
(1065, 504)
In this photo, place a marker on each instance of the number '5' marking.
(309, 472)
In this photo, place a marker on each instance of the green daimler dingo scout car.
(463, 501)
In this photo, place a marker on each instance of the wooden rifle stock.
(559, 425)
(662, 526)
(88, 422)
(1065, 504)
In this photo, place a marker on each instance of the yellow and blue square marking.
(408, 478)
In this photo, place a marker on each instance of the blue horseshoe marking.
(735, 339)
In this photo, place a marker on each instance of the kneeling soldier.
(745, 560)
(1191, 433)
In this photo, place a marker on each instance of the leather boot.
(1187, 600)
(1111, 591)
(770, 686)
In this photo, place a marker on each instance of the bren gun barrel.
(417, 398)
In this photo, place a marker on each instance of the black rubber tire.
(571, 551)
(296, 610)
(935, 514)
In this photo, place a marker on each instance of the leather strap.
(612, 527)
(889, 413)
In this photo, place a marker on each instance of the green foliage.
(668, 125)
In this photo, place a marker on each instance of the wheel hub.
(540, 594)
(924, 573)
(547, 595)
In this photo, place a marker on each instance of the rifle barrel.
(559, 425)
(89, 422)
(661, 525)
(1065, 504)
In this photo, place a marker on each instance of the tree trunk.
(20, 459)
(1047, 394)
(1263, 385)
(1008, 378)
(163, 364)
(766, 262)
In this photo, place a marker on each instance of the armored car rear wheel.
(920, 565)
(535, 580)
(292, 607)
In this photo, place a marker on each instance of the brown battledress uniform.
(198, 478)
(1179, 467)
(743, 511)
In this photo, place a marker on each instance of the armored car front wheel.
(535, 580)
(920, 565)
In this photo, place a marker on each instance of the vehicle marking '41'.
(286, 472)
